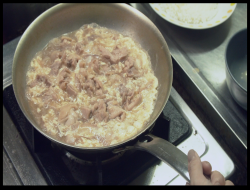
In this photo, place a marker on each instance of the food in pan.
(92, 87)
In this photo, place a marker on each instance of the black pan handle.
(166, 152)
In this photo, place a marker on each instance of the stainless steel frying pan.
(65, 18)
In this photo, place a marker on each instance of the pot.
(64, 18)
(236, 67)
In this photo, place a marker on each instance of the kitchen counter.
(200, 66)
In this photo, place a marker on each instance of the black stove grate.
(59, 170)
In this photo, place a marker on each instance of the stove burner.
(90, 163)
(83, 159)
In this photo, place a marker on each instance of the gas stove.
(29, 158)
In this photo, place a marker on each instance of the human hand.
(201, 172)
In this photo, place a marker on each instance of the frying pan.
(64, 18)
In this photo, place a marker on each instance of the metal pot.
(236, 67)
(65, 18)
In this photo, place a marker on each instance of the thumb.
(195, 168)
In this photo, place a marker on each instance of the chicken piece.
(129, 63)
(55, 55)
(104, 52)
(77, 82)
(64, 111)
(89, 86)
(72, 117)
(71, 90)
(82, 63)
(55, 67)
(93, 37)
(63, 85)
(117, 54)
(70, 59)
(79, 48)
(98, 83)
(126, 93)
(40, 79)
(96, 67)
(134, 102)
(64, 76)
(80, 78)
(49, 95)
(123, 116)
(100, 112)
(114, 111)
(133, 72)
(85, 112)
(70, 139)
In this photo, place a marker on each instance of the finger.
(228, 182)
(195, 168)
(217, 178)
(207, 168)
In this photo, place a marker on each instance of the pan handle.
(166, 152)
